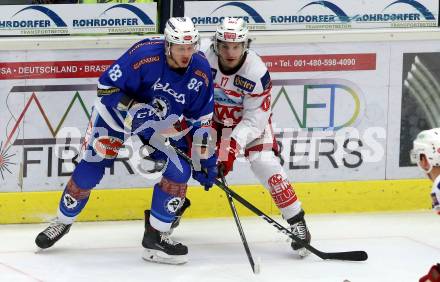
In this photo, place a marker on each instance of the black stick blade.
(351, 256)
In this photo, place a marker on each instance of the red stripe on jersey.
(228, 92)
(265, 92)
(232, 93)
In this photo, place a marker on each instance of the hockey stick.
(255, 267)
(350, 256)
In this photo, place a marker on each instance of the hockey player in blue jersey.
(156, 89)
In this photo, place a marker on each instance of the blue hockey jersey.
(143, 74)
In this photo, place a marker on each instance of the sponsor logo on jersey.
(266, 81)
(180, 97)
(109, 91)
(225, 96)
(161, 106)
(139, 45)
(146, 60)
(244, 83)
(107, 146)
(202, 75)
(228, 115)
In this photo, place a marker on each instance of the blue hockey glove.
(208, 173)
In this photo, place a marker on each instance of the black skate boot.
(52, 234)
(299, 228)
(160, 248)
(179, 214)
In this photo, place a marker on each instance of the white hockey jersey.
(242, 100)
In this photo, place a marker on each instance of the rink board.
(339, 113)
(127, 204)
(360, 100)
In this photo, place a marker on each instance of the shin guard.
(72, 201)
(168, 197)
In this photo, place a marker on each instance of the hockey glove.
(433, 274)
(435, 195)
(208, 173)
(228, 154)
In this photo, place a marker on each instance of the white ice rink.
(401, 247)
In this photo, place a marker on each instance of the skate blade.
(161, 257)
(38, 250)
(303, 252)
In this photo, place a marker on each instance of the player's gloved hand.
(227, 155)
(208, 173)
(433, 274)
(435, 195)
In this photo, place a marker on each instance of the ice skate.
(299, 228)
(160, 248)
(49, 236)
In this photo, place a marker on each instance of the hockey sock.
(284, 196)
(167, 199)
(72, 201)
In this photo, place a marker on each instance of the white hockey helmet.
(181, 31)
(232, 30)
(427, 143)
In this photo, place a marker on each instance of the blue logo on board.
(334, 8)
(135, 10)
(48, 12)
(419, 7)
(248, 9)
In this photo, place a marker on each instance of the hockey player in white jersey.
(426, 154)
(242, 118)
